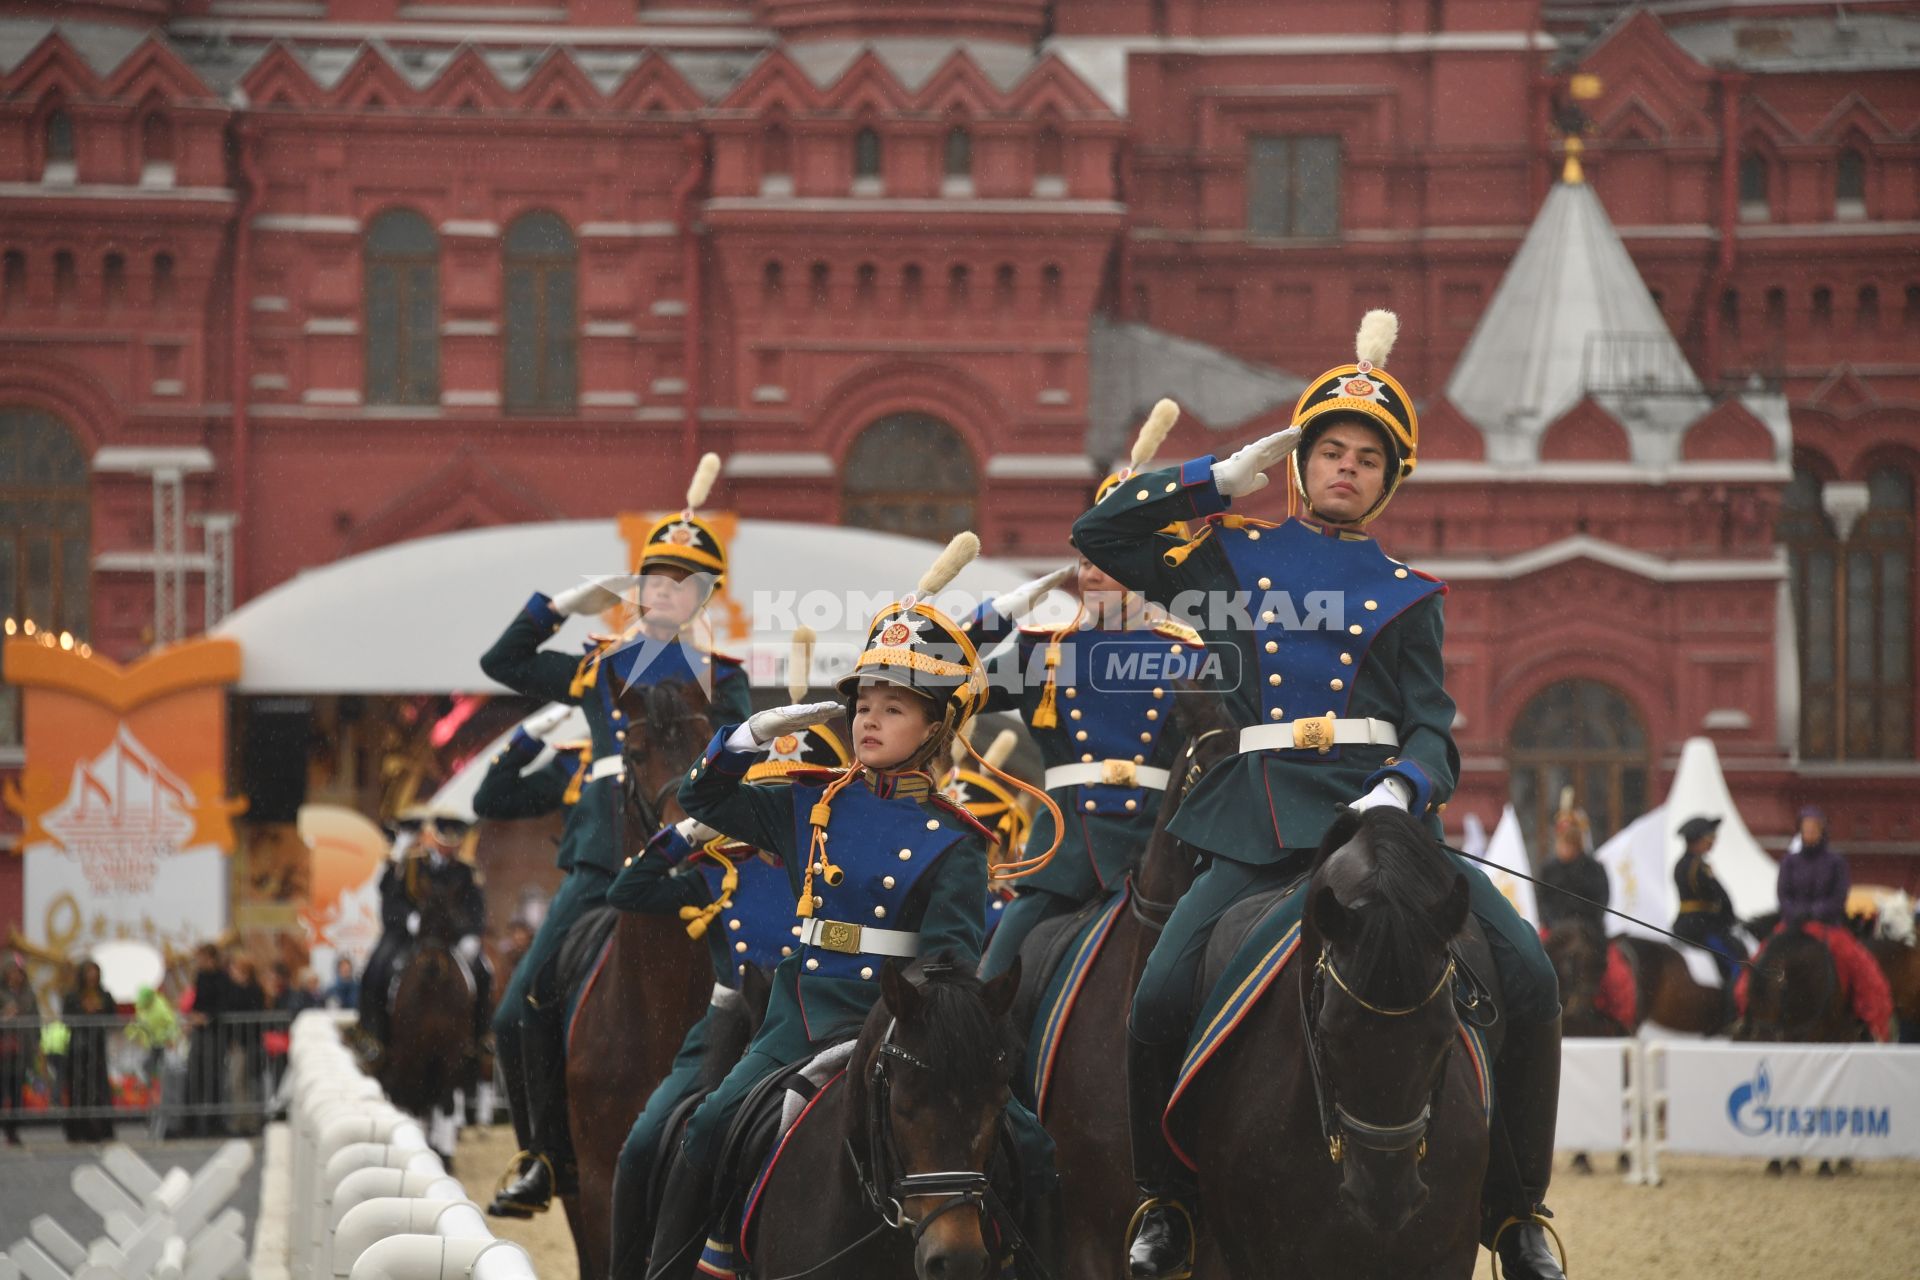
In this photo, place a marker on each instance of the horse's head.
(1793, 990)
(1895, 920)
(439, 909)
(1382, 907)
(932, 1073)
(668, 725)
(1579, 954)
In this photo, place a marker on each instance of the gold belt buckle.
(1117, 773)
(1314, 735)
(837, 935)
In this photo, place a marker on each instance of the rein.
(886, 1185)
(1338, 1126)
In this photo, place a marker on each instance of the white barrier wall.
(1779, 1100)
(1600, 1106)
(363, 1197)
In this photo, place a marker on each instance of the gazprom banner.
(1791, 1100)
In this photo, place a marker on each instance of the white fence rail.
(352, 1190)
(1726, 1098)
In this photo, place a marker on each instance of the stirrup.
(1193, 1239)
(521, 1161)
(1493, 1245)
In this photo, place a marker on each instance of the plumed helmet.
(1363, 390)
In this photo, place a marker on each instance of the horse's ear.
(1453, 913)
(1346, 824)
(999, 992)
(1331, 921)
(902, 998)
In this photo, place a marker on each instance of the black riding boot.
(632, 1228)
(1526, 1079)
(1162, 1244)
(1042, 1218)
(686, 1213)
(539, 1179)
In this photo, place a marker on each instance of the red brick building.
(284, 282)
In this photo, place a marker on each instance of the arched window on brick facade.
(156, 150)
(13, 280)
(776, 161)
(45, 523)
(958, 163)
(867, 177)
(402, 310)
(1582, 734)
(910, 473)
(1853, 614)
(60, 160)
(542, 334)
(1049, 164)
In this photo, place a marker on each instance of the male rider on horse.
(427, 868)
(1341, 702)
(882, 865)
(682, 564)
(1706, 911)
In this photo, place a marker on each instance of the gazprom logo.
(1751, 1110)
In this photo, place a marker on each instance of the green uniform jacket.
(817, 994)
(1254, 807)
(508, 792)
(517, 660)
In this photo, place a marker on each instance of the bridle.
(885, 1183)
(1339, 1126)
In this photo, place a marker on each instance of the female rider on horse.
(1096, 695)
(682, 564)
(882, 865)
(1340, 699)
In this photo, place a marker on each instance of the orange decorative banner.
(123, 797)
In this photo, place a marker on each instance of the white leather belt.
(1106, 773)
(1322, 734)
(724, 996)
(608, 767)
(858, 939)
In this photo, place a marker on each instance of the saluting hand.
(595, 595)
(765, 726)
(546, 720)
(1019, 602)
(694, 831)
(1246, 470)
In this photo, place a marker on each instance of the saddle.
(1041, 956)
(560, 981)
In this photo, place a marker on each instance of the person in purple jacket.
(1813, 877)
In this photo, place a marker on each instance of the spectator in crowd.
(89, 1014)
(206, 1057)
(1814, 878)
(19, 1032)
(345, 991)
(246, 1050)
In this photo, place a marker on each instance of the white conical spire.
(1571, 315)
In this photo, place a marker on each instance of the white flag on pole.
(1508, 851)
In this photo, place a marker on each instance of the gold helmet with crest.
(912, 644)
(1363, 390)
(684, 540)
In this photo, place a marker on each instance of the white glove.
(468, 948)
(694, 831)
(1019, 602)
(1246, 470)
(1387, 791)
(595, 595)
(413, 922)
(541, 723)
(764, 726)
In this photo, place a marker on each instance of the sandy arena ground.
(1711, 1219)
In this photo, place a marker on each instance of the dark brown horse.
(651, 984)
(1794, 994)
(1578, 951)
(429, 1053)
(1085, 1109)
(1900, 961)
(1668, 995)
(888, 1176)
(1342, 1129)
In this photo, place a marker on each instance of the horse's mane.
(1395, 903)
(964, 1042)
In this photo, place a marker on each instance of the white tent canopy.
(415, 617)
(1742, 866)
(456, 793)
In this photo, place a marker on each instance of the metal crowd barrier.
(215, 1079)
